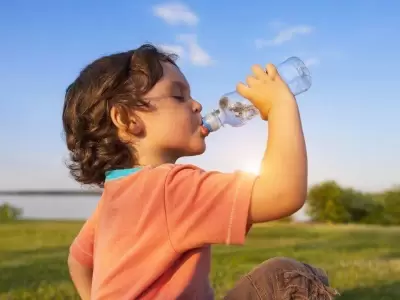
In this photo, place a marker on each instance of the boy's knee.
(283, 278)
(286, 264)
(290, 276)
(278, 264)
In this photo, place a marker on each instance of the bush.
(9, 212)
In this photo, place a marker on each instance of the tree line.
(329, 202)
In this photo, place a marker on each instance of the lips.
(204, 131)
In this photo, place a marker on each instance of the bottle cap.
(211, 122)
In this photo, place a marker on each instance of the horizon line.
(39, 192)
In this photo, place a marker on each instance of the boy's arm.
(281, 188)
(80, 258)
(81, 277)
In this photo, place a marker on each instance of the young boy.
(128, 117)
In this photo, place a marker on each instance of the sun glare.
(251, 167)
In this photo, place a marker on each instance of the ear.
(126, 122)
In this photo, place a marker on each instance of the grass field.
(362, 262)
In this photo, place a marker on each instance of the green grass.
(362, 262)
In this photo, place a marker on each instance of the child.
(128, 117)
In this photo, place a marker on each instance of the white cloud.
(285, 35)
(175, 14)
(172, 49)
(313, 61)
(197, 55)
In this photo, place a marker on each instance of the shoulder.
(176, 167)
(170, 170)
(151, 177)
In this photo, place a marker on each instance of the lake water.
(53, 207)
(66, 207)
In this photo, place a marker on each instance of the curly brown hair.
(119, 80)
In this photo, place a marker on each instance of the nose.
(197, 107)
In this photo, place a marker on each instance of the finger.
(271, 71)
(259, 72)
(251, 81)
(243, 90)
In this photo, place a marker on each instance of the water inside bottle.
(236, 113)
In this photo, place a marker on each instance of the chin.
(197, 149)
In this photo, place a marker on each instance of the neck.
(150, 159)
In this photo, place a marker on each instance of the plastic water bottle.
(236, 111)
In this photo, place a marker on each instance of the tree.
(391, 206)
(9, 212)
(325, 203)
(360, 206)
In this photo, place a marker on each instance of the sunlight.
(251, 167)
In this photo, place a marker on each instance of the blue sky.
(350, 114)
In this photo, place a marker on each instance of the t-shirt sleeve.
(206, 207)
(81, 248)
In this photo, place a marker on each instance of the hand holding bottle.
(265, 89)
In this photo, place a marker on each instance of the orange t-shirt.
(150, 235)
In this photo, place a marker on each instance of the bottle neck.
(212, 121)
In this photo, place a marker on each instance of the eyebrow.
(180, 84)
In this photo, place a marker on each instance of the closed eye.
(179, 98)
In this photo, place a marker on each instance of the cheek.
(174, 132)
(174, 128)
(182, 124)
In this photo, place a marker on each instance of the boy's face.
(173, 128)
